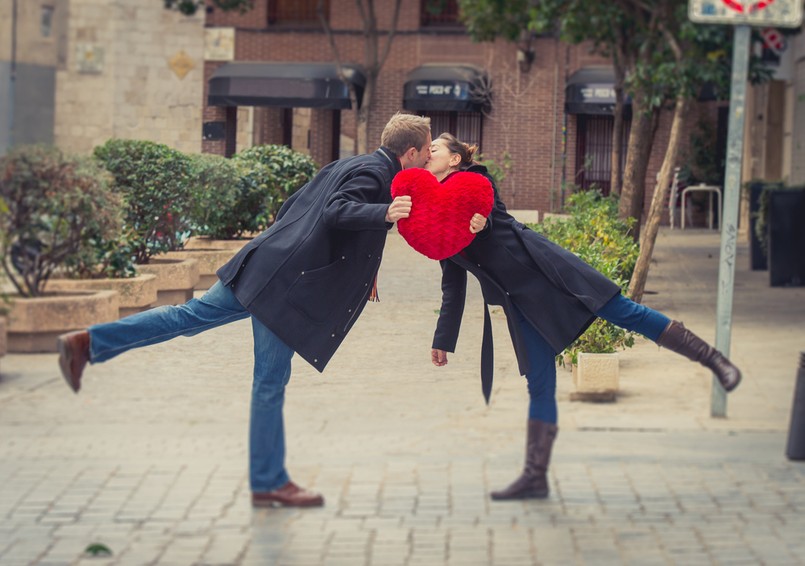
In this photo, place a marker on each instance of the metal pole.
(729, 216)
(12, 75)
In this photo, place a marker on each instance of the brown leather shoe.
(289, 495)
(73, 356)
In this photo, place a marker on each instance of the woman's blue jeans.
(272, 368)
(541, 378)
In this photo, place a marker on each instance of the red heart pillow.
(439, 224)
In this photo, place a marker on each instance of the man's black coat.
(517, 268)
(307, 277)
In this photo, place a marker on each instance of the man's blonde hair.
(405, 131)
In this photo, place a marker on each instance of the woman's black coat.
(307, 277)
(519, 269)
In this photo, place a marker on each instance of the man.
(303, 282)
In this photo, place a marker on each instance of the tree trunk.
(637, 285)
(638, 153)
(364, 112)
(617, 132)
(373, 60)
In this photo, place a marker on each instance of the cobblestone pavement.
(150, 459)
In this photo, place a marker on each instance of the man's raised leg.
(101, 342)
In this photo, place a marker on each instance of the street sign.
(764, 13)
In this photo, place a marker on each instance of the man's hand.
(400, 207)
(477, 223)
(438, 357)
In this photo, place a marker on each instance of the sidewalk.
(150, 458)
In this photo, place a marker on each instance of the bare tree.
(374, 58)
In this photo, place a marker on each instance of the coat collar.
(385, 154)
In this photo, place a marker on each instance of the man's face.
(421, 156)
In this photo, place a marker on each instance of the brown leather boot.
(289, 495)
(533, 482)
(73, 356)
(679, 339)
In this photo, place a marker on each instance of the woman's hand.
(400, 207)
(477, 223)
(438, 357)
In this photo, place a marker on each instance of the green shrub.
(230, 196)
(285, 171)
(594, 232)
(111, 256)
(154, 181)
(498, 170)
(57, 207)
(214, 195)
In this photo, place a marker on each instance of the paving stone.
(151, 457)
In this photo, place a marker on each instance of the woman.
(550, 297)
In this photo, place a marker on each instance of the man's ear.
(410, 153)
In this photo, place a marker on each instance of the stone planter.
(135, 294)
(176, 279)
(35, 323)
(596, 377)
(3, 336)
(203, 242)
(209, 260)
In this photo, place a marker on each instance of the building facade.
(77, 73)
(544, 107)
(33, 35)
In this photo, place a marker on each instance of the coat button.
(315, 360)
(302, 273)
(349, 310)
(332, 335)
(343, 257)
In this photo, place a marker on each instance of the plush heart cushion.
(439, 224)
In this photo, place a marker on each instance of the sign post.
(742, 14)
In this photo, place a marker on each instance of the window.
(466, 126)
(46, 21)
(594, 151)
(439, 13)
(296, 12)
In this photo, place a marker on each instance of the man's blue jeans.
(272, 368)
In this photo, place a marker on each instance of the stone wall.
(134, 70)
(32, 41)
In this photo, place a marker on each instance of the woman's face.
(442, 162)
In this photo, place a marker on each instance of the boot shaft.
(539, 443)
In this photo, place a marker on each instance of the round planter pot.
(176, 279)
(209, 260)
(35, 323)
(135, 294)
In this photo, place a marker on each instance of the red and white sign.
(773, 40)
(763, 13)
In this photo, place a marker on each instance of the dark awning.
(289, 85)
(450, 87)
(590, 91)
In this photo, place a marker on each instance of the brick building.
(547, 104)
(222, 81)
